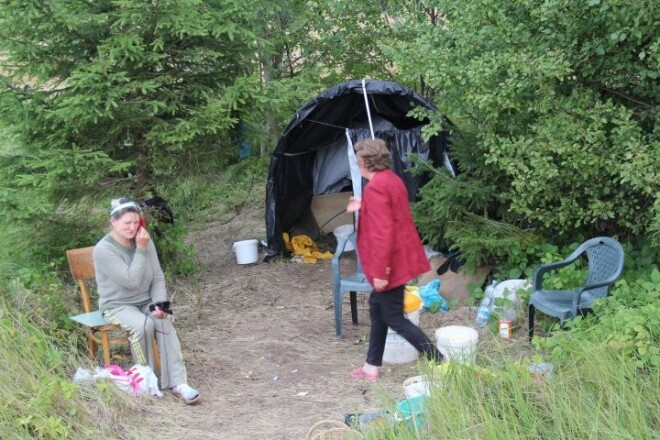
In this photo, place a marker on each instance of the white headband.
(124, 206)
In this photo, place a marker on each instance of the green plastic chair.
(353, 283)
(605, 256)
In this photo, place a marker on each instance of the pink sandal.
(361, 374)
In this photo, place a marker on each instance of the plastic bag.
(140, 379)
(144, 380)
(431, 298)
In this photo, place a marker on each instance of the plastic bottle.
(483, 314)
(486, 306)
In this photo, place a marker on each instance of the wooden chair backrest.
(81, 264)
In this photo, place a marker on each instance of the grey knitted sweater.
(127, 276)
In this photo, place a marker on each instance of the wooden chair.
(99, 330)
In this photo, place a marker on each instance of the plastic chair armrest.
(341, 246)
(584, 288)
(577, 295)
(593, 286)
(336, 257)
(537, 283)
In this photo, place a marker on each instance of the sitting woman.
(131, 286)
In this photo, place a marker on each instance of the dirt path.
(259, 344)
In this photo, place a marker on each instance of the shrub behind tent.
(310, 158)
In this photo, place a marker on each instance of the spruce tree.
(103, 95)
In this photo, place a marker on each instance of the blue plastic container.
(413, 409)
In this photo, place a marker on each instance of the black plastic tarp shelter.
(310, 158)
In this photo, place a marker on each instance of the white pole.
(356, 177)
(366, 103)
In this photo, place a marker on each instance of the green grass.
(594, 393)
(38, 398)
(40, 350)
(203, 198)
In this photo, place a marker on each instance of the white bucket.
(397, 349)
(415, 387)
(344, 231)
(412, 317)
(246, 251)
(457, 342)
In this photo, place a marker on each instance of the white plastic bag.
(139, 379)
(144, 380)
(507, 297)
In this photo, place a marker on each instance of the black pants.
(386, 310)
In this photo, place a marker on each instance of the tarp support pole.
(356, 177)
(366, 103)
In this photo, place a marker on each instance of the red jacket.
(387, 240)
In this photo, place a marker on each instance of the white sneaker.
(187, 393)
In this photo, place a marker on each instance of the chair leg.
(105, 343)
(530, 332)
(154, 348)
(354, 307)
(91, 343)
(585, 312)
(336, 297)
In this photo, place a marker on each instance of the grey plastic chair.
(353, 283)
(605, 256)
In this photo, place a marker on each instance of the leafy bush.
(628, 319)
(557, 107)
(175, 255)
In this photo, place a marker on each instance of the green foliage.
(150, 79)
(199, 198)
(591, 391)
(630, 316)
(633, 327)
(39, 399)
(106, 98)
(339, 50)
(176, 257)
(557, 105)
(458, 213)
(41, 294)
(628, 320)
(565, 278)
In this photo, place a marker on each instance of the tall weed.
(38, 398)
(199, 198)
(593, 392)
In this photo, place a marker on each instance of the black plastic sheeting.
(323, 121)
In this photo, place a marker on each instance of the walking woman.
(391, 253)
